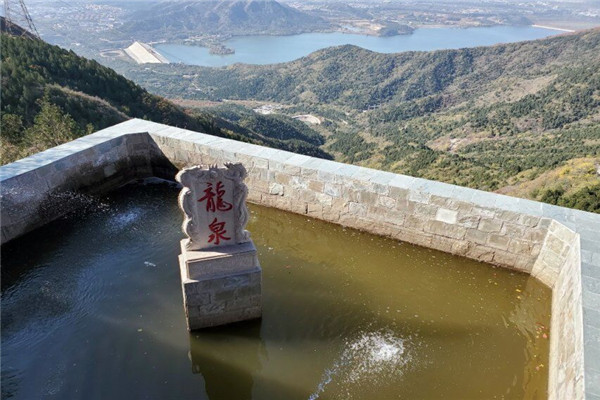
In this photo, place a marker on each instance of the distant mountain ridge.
(494, 118)
(235, 17)
(355, 77)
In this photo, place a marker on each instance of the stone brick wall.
(520, 234)
(222, 299)
(378, 202)
(558, 267)
(55, 182)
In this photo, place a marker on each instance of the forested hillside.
(50, 95)
(497, 118)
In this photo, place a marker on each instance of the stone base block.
(221, 285)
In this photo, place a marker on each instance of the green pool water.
(92, 309)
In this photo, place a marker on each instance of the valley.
(516, 118)
(493, 118)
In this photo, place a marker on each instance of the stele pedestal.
(220, 274)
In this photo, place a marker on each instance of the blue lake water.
(276, 49)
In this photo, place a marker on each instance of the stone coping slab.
(221, 261)
(563, 244)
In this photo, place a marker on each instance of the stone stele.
(220, 273)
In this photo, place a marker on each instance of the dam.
(143, 53)
(557, 246)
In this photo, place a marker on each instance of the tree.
(11, 128)
(51, 127)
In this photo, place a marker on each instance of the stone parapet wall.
(55, 181)
(561, 247)
(379, 202)
(566, 341)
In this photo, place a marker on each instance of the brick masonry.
(559, 246)
(221, 285)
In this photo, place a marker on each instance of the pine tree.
(51, 127)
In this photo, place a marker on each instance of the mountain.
(233, 17)
(494, 118)
(50, 95)
(352, 77)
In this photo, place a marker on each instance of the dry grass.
(573, 176)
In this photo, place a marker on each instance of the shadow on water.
(24, 254)
(228, 358)
(40, 272)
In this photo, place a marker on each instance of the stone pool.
(92, 308)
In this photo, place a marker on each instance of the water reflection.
(229, 359)
(530, 317)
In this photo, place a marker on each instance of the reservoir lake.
(277, 49)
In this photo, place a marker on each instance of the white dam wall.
(142, 53)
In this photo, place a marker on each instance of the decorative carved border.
(235, 172)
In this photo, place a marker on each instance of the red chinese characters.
(213, 195)
(214, 199)
(218, 232)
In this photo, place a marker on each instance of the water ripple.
(372, 357)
